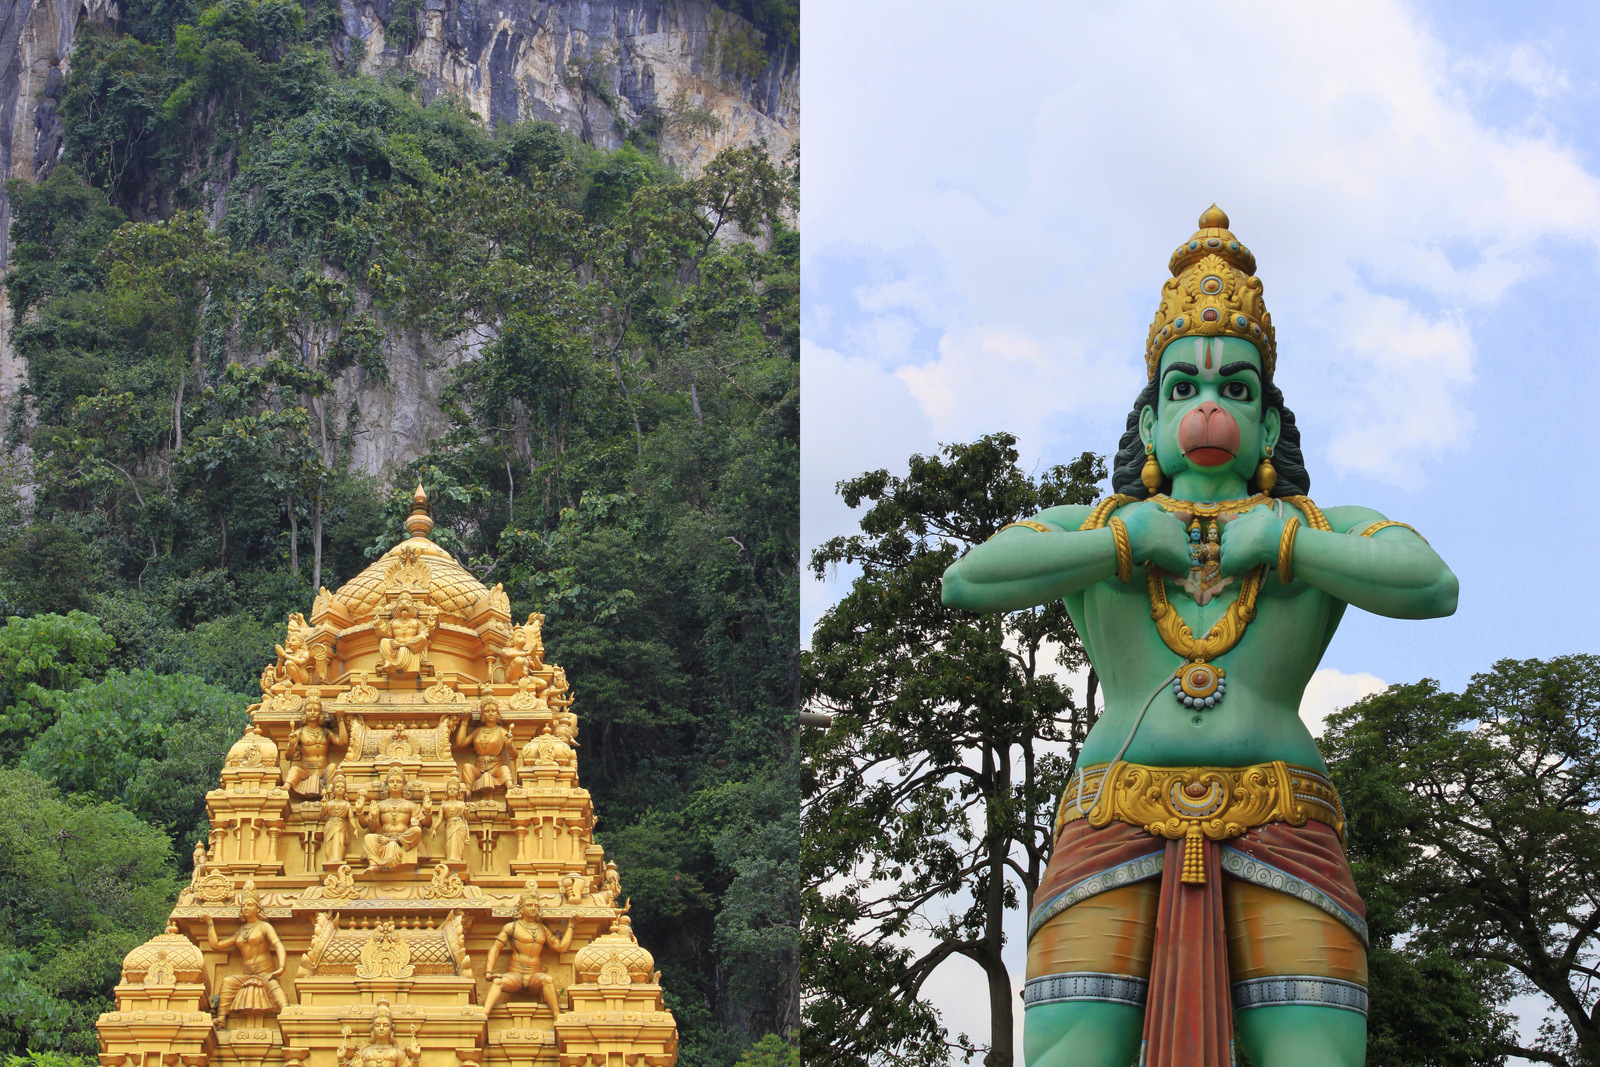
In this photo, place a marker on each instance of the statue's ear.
(1272, 424)
(1147, 424)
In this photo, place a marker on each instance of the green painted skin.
(1393, 573)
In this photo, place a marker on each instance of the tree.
(81, 884)
(1474, 835)
(153, 743)
(931, 799)
(45, 653)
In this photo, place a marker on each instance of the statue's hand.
(1156, 536)
(1251, 540)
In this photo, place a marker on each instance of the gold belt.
(1194, 804)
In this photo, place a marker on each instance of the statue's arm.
(1393, 572)
(1020, 567)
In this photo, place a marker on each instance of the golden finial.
(1213, 217)
(420, 522)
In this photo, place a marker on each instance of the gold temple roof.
(451, 587)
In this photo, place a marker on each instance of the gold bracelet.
(1027, 523)
(1119, 535)
(1286, 551)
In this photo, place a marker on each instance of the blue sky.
(991, 194)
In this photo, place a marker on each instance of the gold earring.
(1151, 474)
(1267, 474)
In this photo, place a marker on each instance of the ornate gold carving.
(492, 746)
(338, 885)
(440, 693)
(527, 697)
(407, 571)
(446, 885)
(362, 692)
(1212, 293)
(301, 661)
(1212, 803)
(310, 745)
(385, 955)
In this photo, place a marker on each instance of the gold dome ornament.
(1213, 292)
(164, 959)
(420, 522)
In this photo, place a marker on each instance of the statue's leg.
(1299, 980)
(1088, 973)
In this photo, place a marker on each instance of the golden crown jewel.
(1213, 292)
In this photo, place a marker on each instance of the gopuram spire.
(402, 869)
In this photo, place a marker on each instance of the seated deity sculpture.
(404, 629)
(524, 653)
(395, 821)
(309, 747)
(299, 661)
(491, 744)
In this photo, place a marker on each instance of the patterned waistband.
(1218, 802)
(1086, 985)
(1299, 989)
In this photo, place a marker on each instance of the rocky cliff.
(683, 71)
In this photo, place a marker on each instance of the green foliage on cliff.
(240, 232)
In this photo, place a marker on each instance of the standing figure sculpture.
(309, 745)
(1198, 886)
(339, 820)
(524, 653)
(527, 937)
(454, 811)
(380, 1049)
(256, 992)
(491, 746)
(396, 823)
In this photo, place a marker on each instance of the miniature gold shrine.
(402, 869)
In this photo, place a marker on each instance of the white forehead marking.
(1206, 358)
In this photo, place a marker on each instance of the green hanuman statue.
(1198, 893)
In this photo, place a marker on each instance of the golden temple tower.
(402, 869)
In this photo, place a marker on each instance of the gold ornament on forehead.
(1213, 292)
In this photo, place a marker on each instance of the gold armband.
(1286, 551)
(1119, 534)
(1029, 523)
(1384, 524)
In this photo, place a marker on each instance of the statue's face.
(397, 785)
(452, 788)
(250, 910)
(1209, 413)
(529, 909)
(314, 714)
(491, 715)
(380, 1027)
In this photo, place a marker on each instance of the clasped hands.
(1157, 536)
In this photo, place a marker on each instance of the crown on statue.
(1213, 292)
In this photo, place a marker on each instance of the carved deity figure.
(396, 823)
(455, 811)
(558, 696)
(256, 992)
(200, 857)
(299, 661)
(404, 628)
(524, 654)
(339, 820)
(1249, 924)
(309, 747)
(380, 1049)
(608, 887)
(527, 938)
(491, 744)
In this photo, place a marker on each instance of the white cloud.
(1028, 191)
(1330, 690)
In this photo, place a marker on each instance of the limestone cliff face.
(595, 67)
